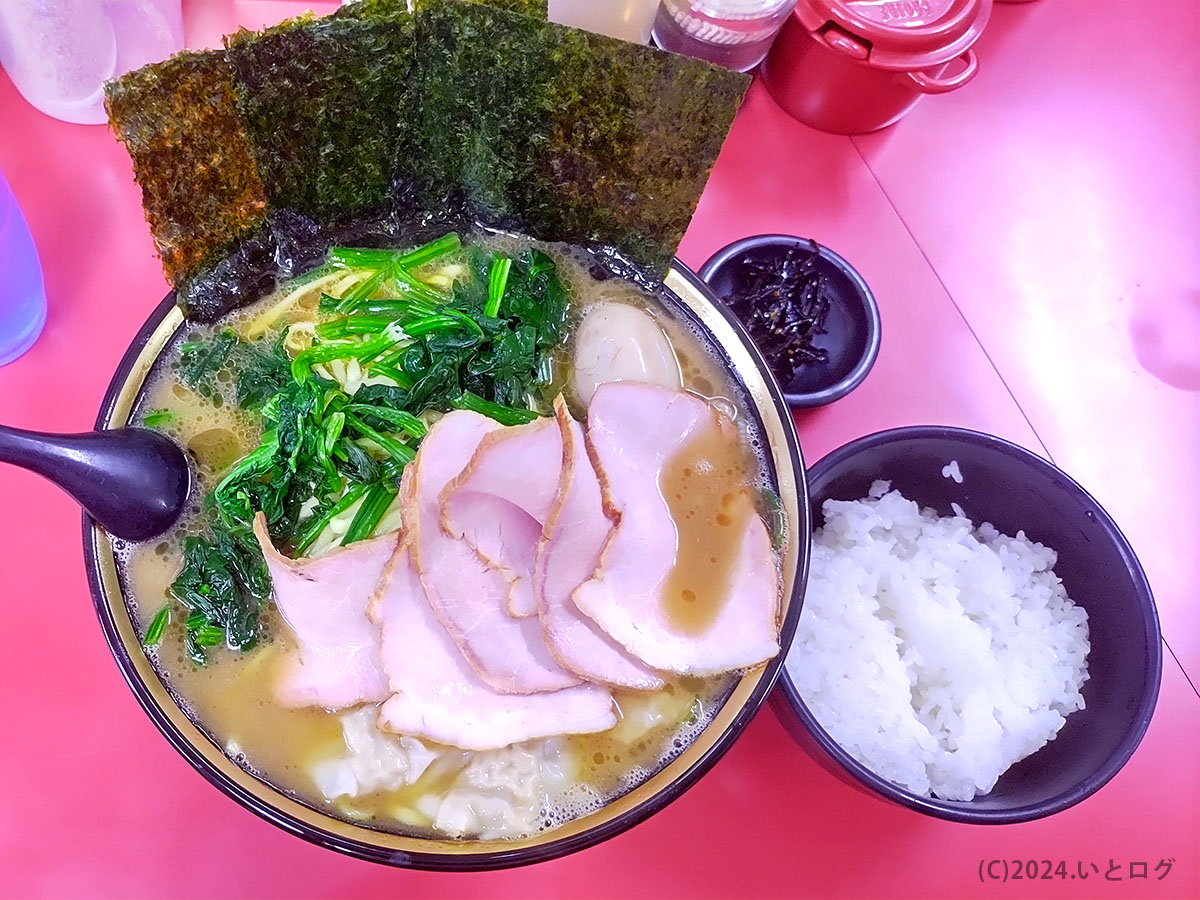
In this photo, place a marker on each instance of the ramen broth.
(716, 478)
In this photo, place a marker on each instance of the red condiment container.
(852, 66)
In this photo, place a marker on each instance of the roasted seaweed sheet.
(317, 126)
(323, 102)
(566, 134)
(191, 155)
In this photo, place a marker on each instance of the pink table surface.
(1034, 244)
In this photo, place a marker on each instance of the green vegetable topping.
(154, 631)
(418, 332)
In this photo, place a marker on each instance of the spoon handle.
(133, 481)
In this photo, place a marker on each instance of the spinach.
(485, 345)
(199, 361)
(224, 584)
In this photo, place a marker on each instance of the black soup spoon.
(134, 482)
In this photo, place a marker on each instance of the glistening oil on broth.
(706, 486)
(719, 475)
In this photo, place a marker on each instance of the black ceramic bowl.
(1016, 490)
(682, 295)
(852, 330)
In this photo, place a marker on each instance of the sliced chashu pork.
(500, 500)
(468, 596)
(568, 554)
(633, 432)
(438, 696)
(323, 601)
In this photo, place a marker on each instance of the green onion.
(402, 380)
(448, 243)
(337, 329)
(158, 418)
(395, 306)
(505, 415)
(354, 258)
(404, 420)
(363, 351)
(195, 620)
(154, 631)
(410, 284)
(426, 324)
(333, 430)
(363, 291)
(497, 280)
(400, 452)
(209, 636)
(371, 512)
(464, 318)
(317, 525)
(392, 356)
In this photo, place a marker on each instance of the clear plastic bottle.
(59, 53)
(626, 19)
(735, 34)
(22, 292)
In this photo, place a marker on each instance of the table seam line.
(991, 362)
(953, 302)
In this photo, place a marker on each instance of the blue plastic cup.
(22, 291)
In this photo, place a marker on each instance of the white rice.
(935, 653)
(951, 470)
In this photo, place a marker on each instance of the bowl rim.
(962, 810)
(785, 461)
(870, 352)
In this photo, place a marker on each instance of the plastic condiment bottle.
(59, 53)
(22, 292)
(735, 34)
(626, 19)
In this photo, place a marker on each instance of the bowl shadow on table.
(1015, 491)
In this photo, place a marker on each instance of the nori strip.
(200, 185)
(324, 102)
(568, 135)
(539, 9)
(341, 128)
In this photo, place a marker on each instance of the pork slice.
(468, 596)
(633, 431)
(439, 697)
(567, 556)
(501, 499)
(337, 661)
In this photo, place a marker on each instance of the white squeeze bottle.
(22, 292)
(59, 53)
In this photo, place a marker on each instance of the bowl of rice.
(978, 640)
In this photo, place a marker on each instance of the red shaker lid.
(896, 34)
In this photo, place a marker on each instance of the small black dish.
(852, 329)
(1015, 490)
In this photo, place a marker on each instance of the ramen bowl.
(684, 296)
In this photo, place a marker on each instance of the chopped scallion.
(505, 415)
(402, 453)
(378, 499)
(398, 417)
(497, 280)
(317, 525)
(154, 631)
